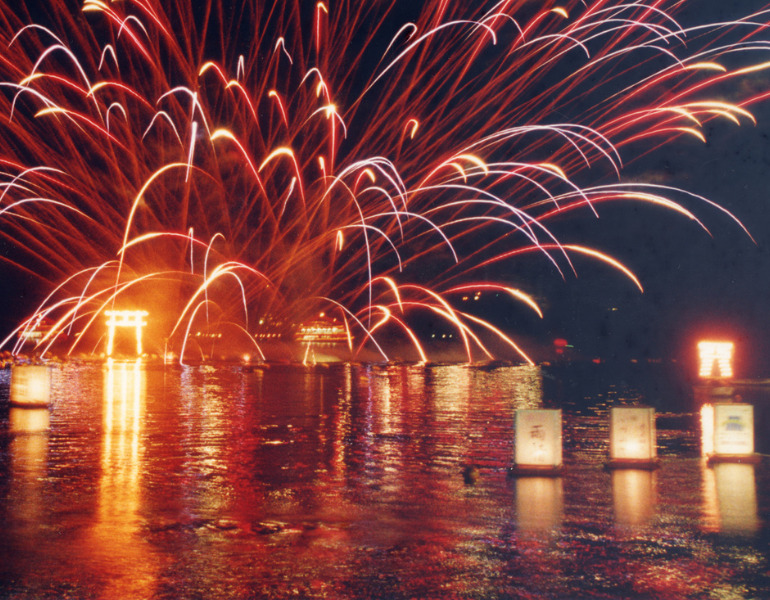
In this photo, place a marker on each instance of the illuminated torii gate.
(720, 353)
(125, 318)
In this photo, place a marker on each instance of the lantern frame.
(632, 428)
(537, 443)
(727, 433)
(30, 386)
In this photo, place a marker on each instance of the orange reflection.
(730, 498)
(29, 420)
(539, 503)
(116, 525)
(29, 453)
(633, 496)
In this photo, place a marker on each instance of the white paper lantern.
(633, 442)
(727, 432)
(537, 442)
(30, 385)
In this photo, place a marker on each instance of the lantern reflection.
(539, 503)
(29, 420)
(29, 455)
(538, 442)
(730, 490)
(633, 496)
(633, 441)
(30, 385)
(727, 432)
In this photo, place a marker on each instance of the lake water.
(346, 481)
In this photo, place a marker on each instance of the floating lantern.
(727, 432)
(633, 495)
(538, 445)
(539, 502)
(633, 441)
(716, 359)
(30, 385)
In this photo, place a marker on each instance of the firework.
(241, 167)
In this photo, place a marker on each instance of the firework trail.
(243, 166)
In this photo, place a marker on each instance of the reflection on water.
(346, 481)
(539, 503)
(29, 454)
(29, 420)
(730, 497)
(633, 495)
(114, 535)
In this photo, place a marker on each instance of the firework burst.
(241, 167)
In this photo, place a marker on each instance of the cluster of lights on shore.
(727, 428)
(727, 435)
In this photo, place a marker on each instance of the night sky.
(695, 285)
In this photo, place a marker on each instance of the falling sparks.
(336, 156)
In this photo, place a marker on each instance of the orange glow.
(538, 438)
(30, 385)
(632, 434)
(322, 330)
(125, 318)
(727, 430)
(715, 358)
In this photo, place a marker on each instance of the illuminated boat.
(322, 330)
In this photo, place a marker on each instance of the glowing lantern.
(125, 318)
(633, 494)
(727, 432)
(30, 385)
(538, 503)
(716, 359)
(633, 441)
(538, 446)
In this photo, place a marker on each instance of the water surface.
(346, 481)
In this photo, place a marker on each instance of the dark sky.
(695, 284)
